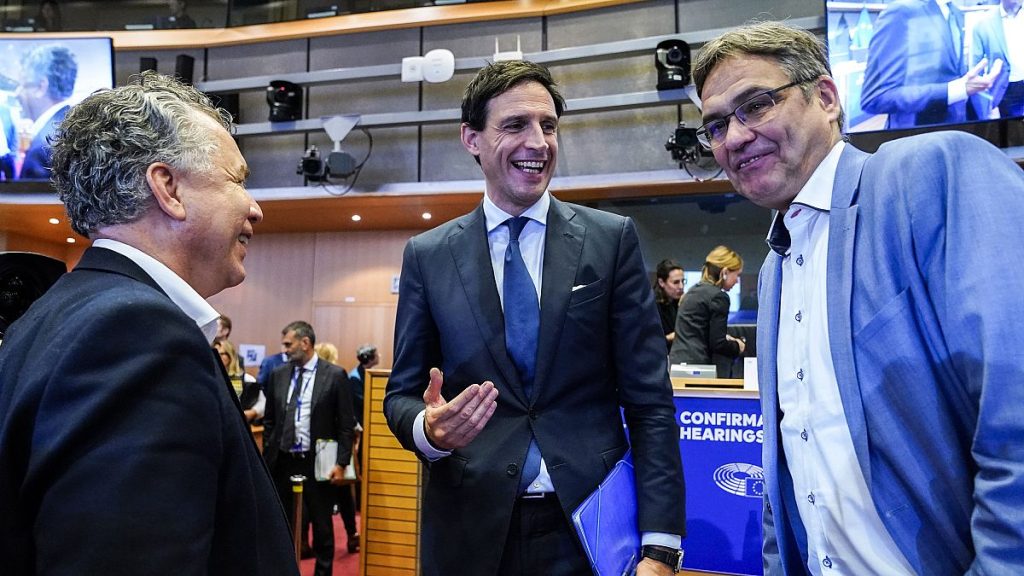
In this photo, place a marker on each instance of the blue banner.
(720, 440)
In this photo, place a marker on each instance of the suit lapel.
(842, 234)
(320, 387)
(563, 247)
(769, 295)
(471, 253)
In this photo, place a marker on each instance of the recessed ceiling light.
(426, 216)
(71, 240)
(356, 217)
(54, 221)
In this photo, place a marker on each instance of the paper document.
(326, 458)
(606, 522)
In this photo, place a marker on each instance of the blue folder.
(606, 523)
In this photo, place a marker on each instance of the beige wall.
(339, 281)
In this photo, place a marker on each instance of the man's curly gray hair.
(106, 143)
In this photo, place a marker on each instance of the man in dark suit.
(48, 80)
(308, 401)
(517, 341)
(123, 449)
(916, 69)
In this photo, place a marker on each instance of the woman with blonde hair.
(249, 394)
(704, 312)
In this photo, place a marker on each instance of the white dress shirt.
(304, 386)
(845, 534)
(183, 295)
(531, 245)
(1013, 33)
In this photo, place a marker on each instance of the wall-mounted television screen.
(909, 63)
(39, 80)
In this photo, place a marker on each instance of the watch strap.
(672, 557)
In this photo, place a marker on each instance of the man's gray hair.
(801, 55)
(106, 143)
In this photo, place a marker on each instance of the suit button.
(512, 470)
(533, 414)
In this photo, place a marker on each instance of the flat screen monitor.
(39, 80)
(893, 62)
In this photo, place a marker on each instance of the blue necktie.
(522, 324)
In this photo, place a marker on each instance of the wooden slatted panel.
(390, 492)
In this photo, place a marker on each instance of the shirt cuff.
(419, 435)
(661, 539)
(956, 91)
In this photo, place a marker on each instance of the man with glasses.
(890, 368)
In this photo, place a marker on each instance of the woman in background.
(252, 399)
(704, 312)
(668, 289)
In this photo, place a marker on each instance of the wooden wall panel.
(347, 326)
(340, 282)
(390, 493)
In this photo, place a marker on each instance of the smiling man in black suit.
(522, 329)
(123, 449)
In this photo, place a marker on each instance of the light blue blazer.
(925, 303)
(990, 42)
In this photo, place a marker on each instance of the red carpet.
(345, 564)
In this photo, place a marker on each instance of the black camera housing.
(311, 166)
(683, 144)
(672, 58)
(285, 101)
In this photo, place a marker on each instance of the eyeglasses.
(752, 113)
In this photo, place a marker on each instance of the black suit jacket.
(122, 447)
(601, 347)
(701, 326)
(330, 418)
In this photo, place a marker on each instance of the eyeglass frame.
(702, 132)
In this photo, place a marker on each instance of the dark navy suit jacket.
(123, 449)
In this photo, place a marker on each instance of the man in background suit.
(915, 70)
(308, 401)
(48, 74)
(890, 363)
(514, 400)
(123, 449)
(992, 37)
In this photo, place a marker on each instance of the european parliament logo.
(741, 479)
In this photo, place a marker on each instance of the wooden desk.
(714, 383)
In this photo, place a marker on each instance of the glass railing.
(71, 16)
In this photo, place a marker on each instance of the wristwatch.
(671, 556)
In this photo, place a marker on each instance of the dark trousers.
(542, 541)
(1012, 104)
(347, 509)
(319, 500)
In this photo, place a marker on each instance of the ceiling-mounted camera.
(313, 167)
(672, 58)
